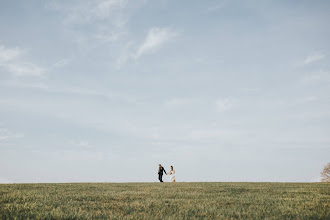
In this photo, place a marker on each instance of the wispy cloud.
(11, 60)
(61, 63)
(9, 54)
(317, 77)
(75, 91)
(5, 134)
(108, 37)
(220, 5)
(104, 8)
(80, 144)
(154, 40)
(88, 11)
(223, 105)
(106, 20)
(25, 69)
(178, 102)
(314, 57)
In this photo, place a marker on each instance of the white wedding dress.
(172, 176)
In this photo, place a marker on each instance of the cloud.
(155, 39)
(104, 8)
(223, 105)
(214, 8)
(251, 89)
(81, 144)
(317, 77)
(306, 100)
(108, 37)
(105, 20)
(9, 54)
(88, 11)
(61, 63)
(5, 135)
(179, 102)
(24, 69)
(10, 60)
(313, 58)
(125, 55)
(75, 91)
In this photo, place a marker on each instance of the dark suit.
(160, 173)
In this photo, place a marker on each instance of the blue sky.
(222, 90)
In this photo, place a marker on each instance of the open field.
(166, 201)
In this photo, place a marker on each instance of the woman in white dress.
(172, 174)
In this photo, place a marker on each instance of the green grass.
(165, 201)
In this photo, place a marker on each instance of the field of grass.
(165, 201)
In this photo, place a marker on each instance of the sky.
(105, 90)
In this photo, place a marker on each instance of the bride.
(171, 173)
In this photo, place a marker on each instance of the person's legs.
(161, 177)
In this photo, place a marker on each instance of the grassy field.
(165, 201)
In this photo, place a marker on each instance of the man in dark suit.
(160, 172)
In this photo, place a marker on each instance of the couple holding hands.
(161, 170)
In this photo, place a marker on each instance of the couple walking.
(161, 170)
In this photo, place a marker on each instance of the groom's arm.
(164, 170)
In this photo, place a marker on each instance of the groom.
(160, 172)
